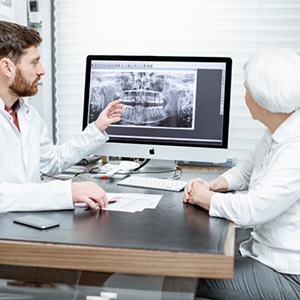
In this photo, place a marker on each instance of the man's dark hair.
(15, 39)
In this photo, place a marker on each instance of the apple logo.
(152, 151)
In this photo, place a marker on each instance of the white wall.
(8, 11)
(43, 100)
(232, 28)
(17, 11)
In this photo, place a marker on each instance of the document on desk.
(132, 202)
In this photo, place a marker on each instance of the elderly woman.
(267, 265)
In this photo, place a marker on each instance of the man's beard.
(23, 88)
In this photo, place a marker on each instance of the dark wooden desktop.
(175, 239)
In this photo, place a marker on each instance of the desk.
(175, 239)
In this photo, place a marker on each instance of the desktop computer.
(176, 108)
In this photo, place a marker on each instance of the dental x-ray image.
(157, 98)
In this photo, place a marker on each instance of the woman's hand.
(197, 191)
(189, 187)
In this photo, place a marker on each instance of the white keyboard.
(154, 183)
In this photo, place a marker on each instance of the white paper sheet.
(132, 202)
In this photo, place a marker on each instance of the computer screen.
(176, 108)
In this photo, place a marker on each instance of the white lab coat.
(27, 154)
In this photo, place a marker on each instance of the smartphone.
(36, 222)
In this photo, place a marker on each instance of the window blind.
(234, 28)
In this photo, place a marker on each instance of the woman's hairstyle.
(15, 39)
(273, 80)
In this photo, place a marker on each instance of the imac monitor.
(176, 108)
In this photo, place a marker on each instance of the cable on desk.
(177, 172)
(143, 164)
(58, 177)
(94, 170)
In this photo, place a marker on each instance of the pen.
(109, 202)
(98, 176)
(105, 176)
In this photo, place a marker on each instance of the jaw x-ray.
(155, 99)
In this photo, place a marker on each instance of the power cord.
(177, 172)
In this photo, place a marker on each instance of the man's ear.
(7, 67)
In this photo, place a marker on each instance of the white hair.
(273, 80)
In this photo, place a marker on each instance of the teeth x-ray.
(159, 99)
